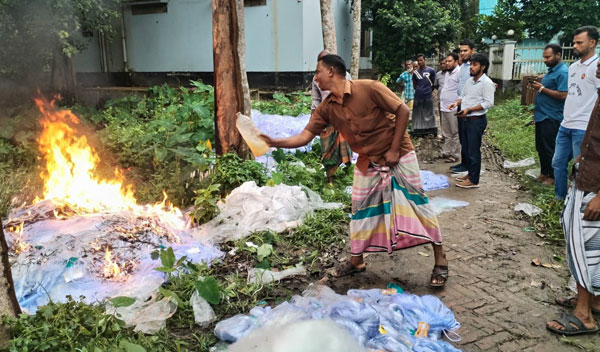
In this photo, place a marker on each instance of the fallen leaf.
(424, 254)
(536, 262)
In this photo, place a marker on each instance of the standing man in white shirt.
(582, 95)
(449, 121)
(476, 99)
(466, 50)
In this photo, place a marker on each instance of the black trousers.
(473, 134)
(545, 141)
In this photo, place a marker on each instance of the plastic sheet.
(442, 204)
(433, 182)
(250, 208)
(521, 163)
(67, 255)
(533, 173)
(203, 312)
(264, 276)
(377, 319)
(529, 209)
(303, 336)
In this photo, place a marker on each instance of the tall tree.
(229, 72)
(328, 26)
(356, 31)
(469, 18)
(544, 19)
(505, 16)
(8, 300)
(403, 28)
(38, 34)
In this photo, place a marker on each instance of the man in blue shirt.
(549, 106)
(423, 117)
(405, 82)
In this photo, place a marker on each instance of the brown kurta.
(365, 116)
(588, 176)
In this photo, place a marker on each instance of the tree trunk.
(8, 300)
(356, 30)
(328, 26)
(62, 79)
(231, 85)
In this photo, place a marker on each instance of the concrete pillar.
(507, 59)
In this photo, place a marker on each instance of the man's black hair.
(335, 61)
(420, 55)
(454, 55)
(592, 32)
(556, 49)
(482, 60)
(456, 50)
(468, 42)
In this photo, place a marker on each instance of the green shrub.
(292, 104)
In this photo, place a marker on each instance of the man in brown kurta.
(373, 121)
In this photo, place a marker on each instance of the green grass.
(510, 132)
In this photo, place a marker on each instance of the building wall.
(282, 36)
(487, 6)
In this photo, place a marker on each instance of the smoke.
(37, 38)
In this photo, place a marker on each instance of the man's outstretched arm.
(299, 140)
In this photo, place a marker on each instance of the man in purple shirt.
(423, 117)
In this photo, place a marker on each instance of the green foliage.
(506, 16)
(292, 104)
(205, 204)
(209, 289)
(32, 33)
(231, 171)
(543, 19)
(64, 327)
(510, 130)
(306, 169)
(403, 28)
(165, 136)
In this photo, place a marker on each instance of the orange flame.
(19, 246)
(70, 165)
(111, 268)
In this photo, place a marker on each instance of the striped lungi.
(582, 239)
(334, 150)
(390, 210)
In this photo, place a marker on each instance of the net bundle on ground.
(378, 319)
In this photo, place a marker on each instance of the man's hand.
(536, 85)
(391, 157)
(462, 113)
(592, 211)
(452, 106)
(268, 140)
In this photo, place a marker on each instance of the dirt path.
(501, 300)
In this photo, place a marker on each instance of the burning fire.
(70, 171)
(111, 269)
(19, 246)
(70, 165)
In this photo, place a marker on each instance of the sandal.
(572, 325)
(439, 272)
(348, 269)
(569, 302)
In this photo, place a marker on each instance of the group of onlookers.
(465, 94)
(567, 127)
